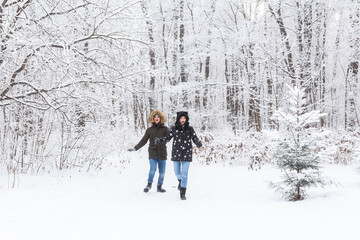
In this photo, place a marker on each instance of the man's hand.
(157, 140)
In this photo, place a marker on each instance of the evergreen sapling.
(295, 156)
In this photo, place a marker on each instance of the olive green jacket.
(156, 151)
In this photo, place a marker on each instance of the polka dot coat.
(182, 145)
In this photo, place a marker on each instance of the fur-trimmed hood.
(160, 113)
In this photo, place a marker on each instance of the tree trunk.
(151, 55)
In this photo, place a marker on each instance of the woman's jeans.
(181, 171)
(162, 167)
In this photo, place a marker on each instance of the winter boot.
(182, 193)
(160, 189)
(179, 184)
(147, 188)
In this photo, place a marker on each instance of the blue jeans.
(181, 171)
(162, 167)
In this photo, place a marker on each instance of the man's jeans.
(181, 171)
(162, 167)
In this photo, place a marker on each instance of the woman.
(181, 154)
(157, 153)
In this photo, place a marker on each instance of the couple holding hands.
(181, 154)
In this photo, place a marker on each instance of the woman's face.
(157, 119)
(182, 120)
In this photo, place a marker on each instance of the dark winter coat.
(182, 134)
(156, 151)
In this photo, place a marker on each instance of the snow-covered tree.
(295, 156)
(73, 70)
(59, 61)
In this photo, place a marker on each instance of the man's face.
(182, 120)
(157, 119)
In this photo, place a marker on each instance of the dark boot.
(179, 184)
(160, 189)
(182, 193)
(148, 186)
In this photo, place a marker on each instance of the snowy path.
(223, 203)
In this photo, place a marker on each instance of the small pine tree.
(295, 157)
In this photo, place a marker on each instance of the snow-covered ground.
(223, 203)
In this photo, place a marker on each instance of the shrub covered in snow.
(249, 148)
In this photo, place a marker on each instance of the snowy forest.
(80, 77)
(271, 88)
